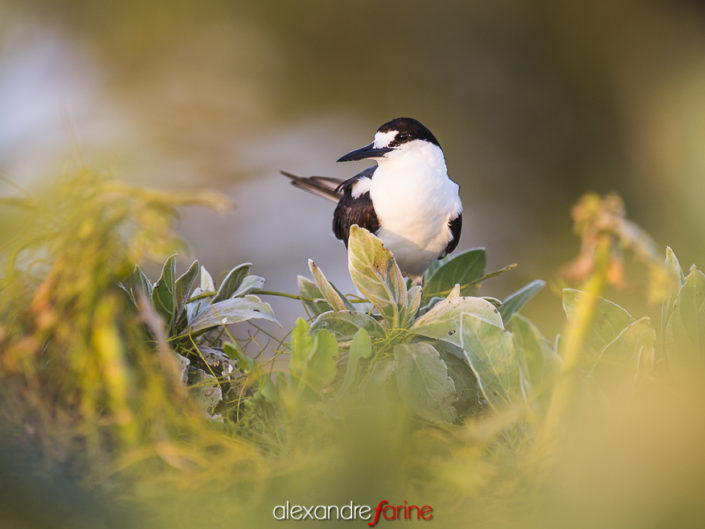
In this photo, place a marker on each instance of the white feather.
(360, 187)
(382, 139)
(414, 201)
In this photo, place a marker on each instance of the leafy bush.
(422, 392)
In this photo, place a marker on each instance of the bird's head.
(395, 139)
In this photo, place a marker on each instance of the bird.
(407, 199)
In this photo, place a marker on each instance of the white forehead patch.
(382, 139)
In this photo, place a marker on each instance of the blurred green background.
(534, 102)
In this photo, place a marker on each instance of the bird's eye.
(402, 136)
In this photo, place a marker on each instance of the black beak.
(368, 151)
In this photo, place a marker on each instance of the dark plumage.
(408, 129)
(351, 210)
(455, 226)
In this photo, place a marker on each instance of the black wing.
(455, 225)
(322, 186)
(351, 210)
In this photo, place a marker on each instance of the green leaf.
(379, 387)
(268, 389)
(443, 320)
(163, 293)
(608, 321)
(413, 304)
(423, 381)
(183, 285)
(414, 296)
(513, 302)
(321, 363)
(197, 303)
(207, 284)
(469, 396)
(462, 269)
(376, 274)
(309, 291)
(313, 358)
(233, 310)
(183, 364)
(630, 355)
(344, 324)
(232, 282)
(301, 344)
(249, 284)
(361, 347)
(540, 361)
(675, 272)
(181, 294)
(331, 294)
(685, 329)
(490, 353)
(138, 282)
(143, 282)
(244, 362)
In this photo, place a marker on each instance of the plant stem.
(575, 333)
(490, 275)
(282, 295)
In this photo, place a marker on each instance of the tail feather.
(322, 186)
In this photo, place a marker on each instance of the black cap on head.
(408, 129)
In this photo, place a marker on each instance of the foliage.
(417, 343)
(140, 389)
(87, 379)
(196, 320)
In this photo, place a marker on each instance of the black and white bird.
(407, 199)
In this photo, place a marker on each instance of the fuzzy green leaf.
(675, 272)
(539, 361)
(163, 293)
(628, 356)
(409, 312)
(513, 302)
(375, 273)
(462, 269)
(232, 282)
(685, 329)
(313, 357)
(607, 323)
(233, 310)
(321, 363)
(235, 352)
(469, 396)
(313, 299)
(249, 284)
(490, 353)
(673, 266)
(361, 347)
(443, 320)
(183, 285)
(301, 343)
(331, 294)
(423, 381)
(207, 284)
(138, 282)
(344, 324)
(414, 296)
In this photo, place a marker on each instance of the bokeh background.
(534, 103)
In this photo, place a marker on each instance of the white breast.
(414, 201)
